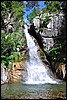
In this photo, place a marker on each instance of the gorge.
(33, 50)
(38, 84)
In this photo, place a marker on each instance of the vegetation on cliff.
(10, 42)
(58, 51)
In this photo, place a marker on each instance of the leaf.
(11, 57)
(4, 66)
(3, 56)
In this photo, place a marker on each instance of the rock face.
(52, 30)
(55, 21)
(36, 21)
(48, 35)
(18, 71)
(4, 75)
(16, 74)
(9, 23)
(60, 70)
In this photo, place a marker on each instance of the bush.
(10, 46)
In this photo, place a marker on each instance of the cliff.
(51, 35)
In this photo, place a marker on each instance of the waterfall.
(37, 73)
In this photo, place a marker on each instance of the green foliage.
(54, 49)
(10, 45)
(11, 42)
(58, 53)
(33, 14)
(18, 8)
(3, 6)
(52, 6)
(22, 40)
(15, 6)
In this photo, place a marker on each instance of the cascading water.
(36, 71)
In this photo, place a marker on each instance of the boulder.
(61, 71)
(18, 70)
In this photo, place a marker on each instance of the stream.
(38, 84)
(33, 91)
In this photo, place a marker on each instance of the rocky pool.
(32, 91)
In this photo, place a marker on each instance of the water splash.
(37, 73)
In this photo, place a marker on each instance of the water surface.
(33, 91)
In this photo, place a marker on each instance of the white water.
(36, 71)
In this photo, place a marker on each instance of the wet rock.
(59, 70)
(4, 75)
(18, 70)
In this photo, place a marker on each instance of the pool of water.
(32, 91)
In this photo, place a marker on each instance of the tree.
(10, 46)
(11, 42)
(15, 8)
(18, 9)
(52, 6)
(33, 14)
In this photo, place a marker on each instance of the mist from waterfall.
(37, 73)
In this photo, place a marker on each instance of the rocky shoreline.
(20, 91)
